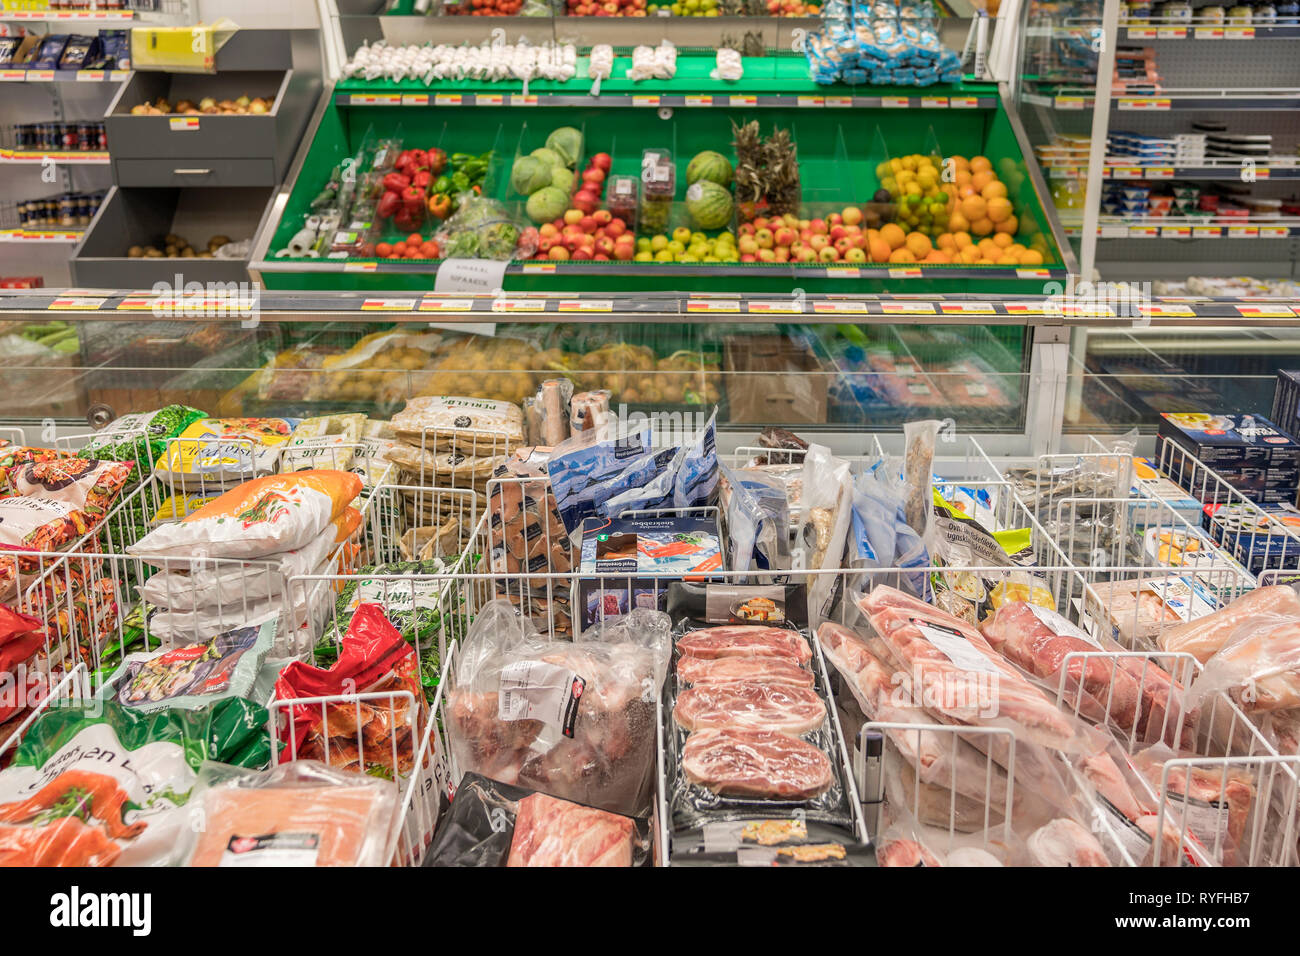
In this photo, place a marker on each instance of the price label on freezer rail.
(388, 305)
(934, 102)
(697, 100)
(519, 305)
(895, 102)
(787, 307)
(712, 305)
(76, 303)
(415, 99)
(1206, 232)
(1069, 102)
(484, 276)
(522, 99)
(963, 102)
(840, 102)
(907, 308)
(446, 305)
(1274, 232)
(1266, 311)
(810, 101)
(1157, 311)
(90, 76)
(1171, 33)
(966, 308)
(1208, 33)
(586, 305)
(446, 99)
(183, 124)
(824, 307)
(645, 100)
(1243, 232)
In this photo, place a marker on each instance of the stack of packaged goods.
(880, 43)
(229, 563)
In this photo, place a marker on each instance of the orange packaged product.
(258, 518)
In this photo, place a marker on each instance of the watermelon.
(711, 166)
(709, 204)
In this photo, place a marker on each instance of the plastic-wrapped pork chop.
(575, 720)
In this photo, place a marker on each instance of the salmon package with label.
(216, 451)
(377, 735)
(261, 517)
(101, 785)
(302, 813)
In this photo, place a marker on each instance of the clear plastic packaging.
(303, 813)
(576, 720)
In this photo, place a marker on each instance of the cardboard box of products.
(771, 378)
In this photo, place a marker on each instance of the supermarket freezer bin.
(142, 217)
(209, 149)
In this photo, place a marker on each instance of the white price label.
(485, 276)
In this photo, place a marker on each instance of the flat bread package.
(479, 425)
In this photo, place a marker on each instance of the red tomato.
(414, 239)
(399, 250)
(429, 250)
(383, 250)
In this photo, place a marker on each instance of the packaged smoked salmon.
(258, 518)
(302, 813)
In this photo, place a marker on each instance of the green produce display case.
(842, 134)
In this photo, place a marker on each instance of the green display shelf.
(839, 151)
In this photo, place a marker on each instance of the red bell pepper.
(396, 182)
(389, 203)
(437, 160)
(422, 179)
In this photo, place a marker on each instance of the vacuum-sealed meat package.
(572, 719)
(495, 824)
(752, 735)
(303, 813)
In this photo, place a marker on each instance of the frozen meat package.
(495, 824)
(302, 813)
(751, 734)
(576, 720)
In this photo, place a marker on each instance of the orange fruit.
(963, 177)
(994, 190)
(878, 250)
(918, 244)
(901, 255)
(981, 179)
(987, 247)
(893, 234)
(1031, 257)
(1009, 225)
(979, 163)
(999, 208)
(937, 255)
(958, 223)
(1002, 240)
(1015, 248)
(981, 227)
(969, 255)
(962, 238)
(959, 162)
(946, 242)
(1008, 261)
(974, 207)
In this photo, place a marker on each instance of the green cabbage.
(549, 156)
(566, 141)
(529, 174)
(547, 204)
(562, 179)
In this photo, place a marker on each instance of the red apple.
(843, 244)
(587, 223)
(748, 257)
(828, 254)
(817, 225)
(785, 236)
(818, 242)
(603, 217)
(616, 227)
(602, 161)
(766, 254)
(605, 244)
(852, 215)
(624, 251)
(855, 255)
(585, 200)
(764, 238)
(834, 219)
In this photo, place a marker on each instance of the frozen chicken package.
(303, 813)
(1258, 665)
(574, 720)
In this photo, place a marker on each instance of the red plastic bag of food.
(21, 636)
(357, 734)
